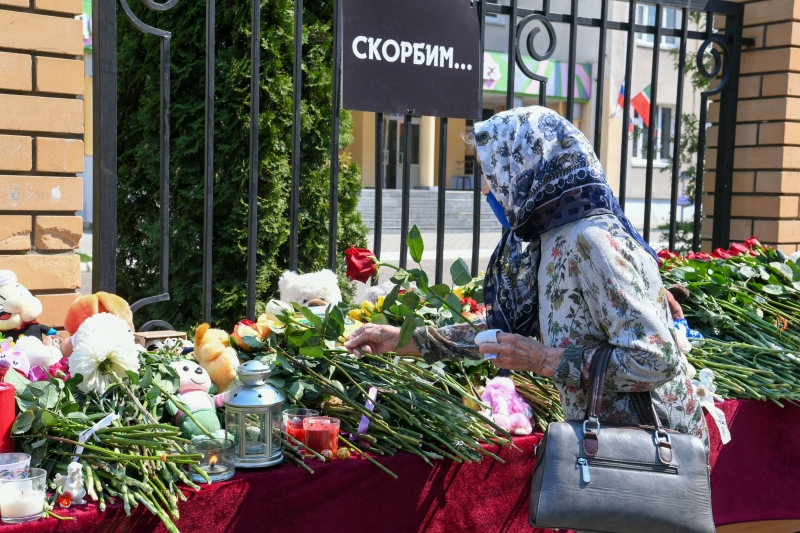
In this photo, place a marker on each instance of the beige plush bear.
(318, 289)
(213, 351)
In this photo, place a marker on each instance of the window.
(663, 137)
(646, 16)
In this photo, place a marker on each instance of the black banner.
(417, 57)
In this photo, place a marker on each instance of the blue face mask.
(499, 212)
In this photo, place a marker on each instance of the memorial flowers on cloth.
(103, 350)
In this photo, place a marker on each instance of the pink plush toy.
(509, 410)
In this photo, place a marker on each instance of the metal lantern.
(253, 417)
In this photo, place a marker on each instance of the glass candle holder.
(217, 460)
(293, 422)
(14, 465)
(322, 433)
(22, 499)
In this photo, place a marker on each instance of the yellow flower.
(355, 314)
(367, 309)
(458, 291)
(379, 307)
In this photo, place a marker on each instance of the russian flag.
(621, 99)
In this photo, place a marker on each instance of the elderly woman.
(569, 275)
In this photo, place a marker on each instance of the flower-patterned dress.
(597, 285)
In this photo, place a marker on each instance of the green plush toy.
(193, 393)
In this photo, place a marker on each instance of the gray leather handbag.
(598, 478)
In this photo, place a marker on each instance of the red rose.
(468, 304)
(752, 242)
(737, 249)
(666, 254)
(360, 264)
(719, 253)
(701, 256)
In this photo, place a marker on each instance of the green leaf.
(49, 397)
(411, 300)
(421, 278)
(276, 382)
(296, 390)
(253, 342)
(441, 290)
(719, 279)
(454, 303)
(391, 298)
(415, 244)
(233, 343)
(23, 423)
(776, 290)
(133, 376)
(400, 276)
(460, 273)
(16, 379)
(281, 359)
(147, 378)
(313, 352)
(78, 417)
(747, 271)
(783, 268)
(311, 317)
(406, 330)
(379, 318)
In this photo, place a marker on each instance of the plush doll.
(19, 310)
(318, 289)
(193, 393)
(509, 410)
(213, 351)
(11, 357)
(31, 358)
(90, 305)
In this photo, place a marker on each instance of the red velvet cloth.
(751, 480)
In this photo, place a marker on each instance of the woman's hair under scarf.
(544, 172)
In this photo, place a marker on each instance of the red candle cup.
(322, 433)
(293, 422)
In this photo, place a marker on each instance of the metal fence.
(724, 48)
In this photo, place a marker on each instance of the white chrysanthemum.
(103, 347)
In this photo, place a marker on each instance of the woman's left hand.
(515, 352)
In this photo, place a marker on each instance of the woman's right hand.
(378, 339)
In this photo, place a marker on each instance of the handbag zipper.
(585, 462)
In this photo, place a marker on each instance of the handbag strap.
(642, 403)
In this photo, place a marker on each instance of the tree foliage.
(138, 148)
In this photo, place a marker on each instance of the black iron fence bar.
(512, 49)
(208, 187)
(104, 120)
(406, 200)
(476, 167)
(701, 147)
(297, 80)
(726, 140)
(442, 191)
(600, 84)
(252, 226)
(336, 107)
(573, 37)
(378, 225)
(653, 127)
(626, 106)
(676, 138)
(164, 84)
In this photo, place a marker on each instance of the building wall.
(766, 178)
(41, 148)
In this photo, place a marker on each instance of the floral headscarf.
(544, 172)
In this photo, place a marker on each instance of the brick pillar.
(41, 148)
(766, 181)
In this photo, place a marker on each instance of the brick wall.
(41, 148)
(766, 182)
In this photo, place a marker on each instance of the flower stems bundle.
(542, 396)
(745, 302)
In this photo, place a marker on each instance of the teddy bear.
(317, 289)
(19, 310)
(213, 351)
(193, 393)
(90, 305)
(509, 410)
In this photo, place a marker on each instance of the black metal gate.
(724, 49)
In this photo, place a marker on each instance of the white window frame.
(646, 16)
(638, 151)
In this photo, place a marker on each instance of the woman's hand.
(378, 339)
(515, 352)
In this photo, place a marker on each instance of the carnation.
(103, 350)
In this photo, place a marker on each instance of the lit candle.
(213, 467)
(21, 503)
